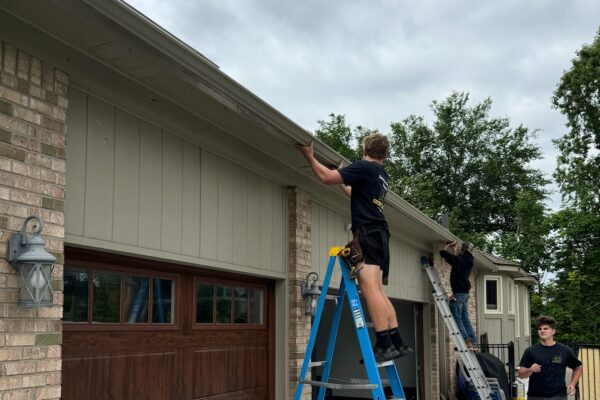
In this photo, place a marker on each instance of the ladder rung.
(316, 363)
(385, 363)
(357, 386)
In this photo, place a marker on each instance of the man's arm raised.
(325, 175)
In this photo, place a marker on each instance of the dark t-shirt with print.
(369, 183)
(550, 381)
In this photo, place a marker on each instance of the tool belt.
(352, 253)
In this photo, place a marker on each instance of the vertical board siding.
(225, 211)
(254, 220)
(150, 208)
(407, 279)
(132, 183)
(266, 231)
(100, 163)
(172, 194)
(327, 230)
(190, 232)
(240, 215)
(278, 249)
(76, 154)
(209, 205)
(127, 178)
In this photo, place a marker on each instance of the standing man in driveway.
(461, 260)
(545, 365)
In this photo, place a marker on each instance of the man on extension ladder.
(461, 260)
(367, 183)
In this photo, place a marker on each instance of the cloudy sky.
(379, 61)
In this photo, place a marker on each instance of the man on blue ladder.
(367, 184)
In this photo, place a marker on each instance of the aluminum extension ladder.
(374, 382)
(467, 356)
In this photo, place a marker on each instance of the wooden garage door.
(135, 329)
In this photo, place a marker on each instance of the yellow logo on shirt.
(557, 359)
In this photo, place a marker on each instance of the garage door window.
(112, 297)
(106, 291)
(224, 304)
(75, 307)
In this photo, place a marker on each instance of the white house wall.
(134, 187)
(407, 279)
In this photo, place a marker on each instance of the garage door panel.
(95, 371)
(143, 376)
(239, 368)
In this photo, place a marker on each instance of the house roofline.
(166, 43)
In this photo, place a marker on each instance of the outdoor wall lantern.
(33, 263)
(311, 293)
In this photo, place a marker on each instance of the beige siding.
(135, 187)
(504, 327)
(407, 280)
(328, 230)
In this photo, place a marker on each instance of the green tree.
(467, 163)
(577, 96)
(339, 136)
(532, 242)
(572, 298)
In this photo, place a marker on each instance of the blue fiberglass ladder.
(374, 383)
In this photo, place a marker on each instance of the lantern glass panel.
(35, 284)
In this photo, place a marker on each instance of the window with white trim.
(517, 316)
(526, 315)
(492, 293)
(512, 296)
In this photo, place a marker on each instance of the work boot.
(404, 351)
(383, 355)
(388, 354)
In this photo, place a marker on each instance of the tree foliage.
(577, 96)
(341, 137)
(573, 298)
(467, 164)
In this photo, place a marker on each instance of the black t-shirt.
(369, 183)
(550, 381)
(461, 269)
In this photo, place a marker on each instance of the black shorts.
(375, 243)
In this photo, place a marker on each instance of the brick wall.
(33, 109)
(299, 245)
(434, 350)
